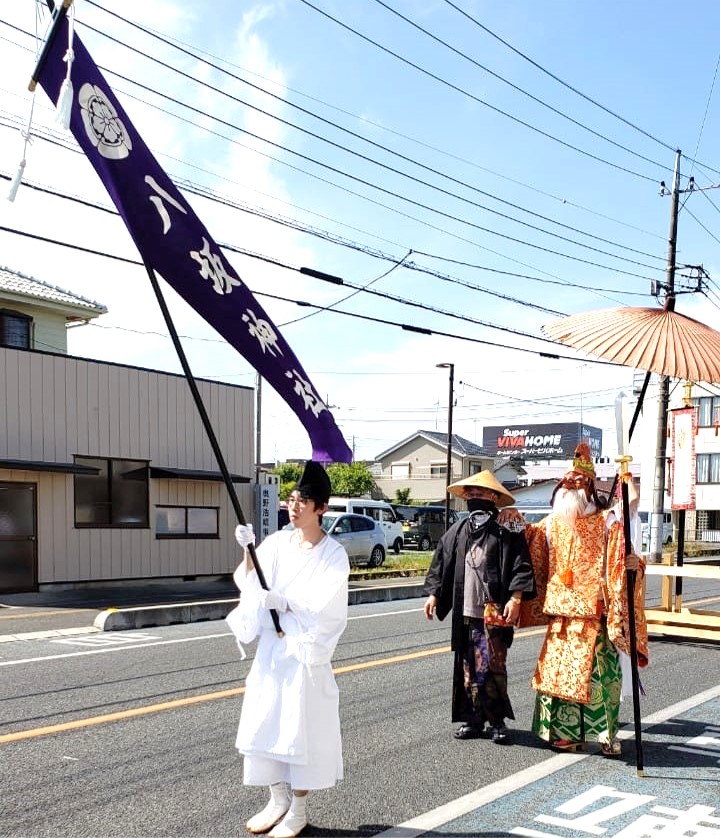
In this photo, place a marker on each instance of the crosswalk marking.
(105, 639)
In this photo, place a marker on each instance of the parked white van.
(381, 511)
(667, 528)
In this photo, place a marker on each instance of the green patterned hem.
(555, 718)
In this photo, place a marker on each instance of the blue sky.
(593, 193)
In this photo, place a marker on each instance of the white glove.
(272, 599)
(244, 535)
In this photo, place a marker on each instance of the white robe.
(290, 721)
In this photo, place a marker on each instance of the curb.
(385, 593)
(122, 619)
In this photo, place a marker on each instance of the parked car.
(378, 510)
(667, 528)
(426, 526)
(362, 537)
(283, 515)
(533, 514)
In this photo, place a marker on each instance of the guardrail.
(671, 618)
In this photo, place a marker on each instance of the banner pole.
(227, 479)
(58, 17)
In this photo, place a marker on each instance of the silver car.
(362, 537)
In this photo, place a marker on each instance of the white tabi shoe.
(294, 822)
(278, 805)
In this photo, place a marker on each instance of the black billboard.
(556, 441)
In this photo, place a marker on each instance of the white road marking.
(475, 800)
(113, 649)
(384, 614)
(128, 643)
(105, 639)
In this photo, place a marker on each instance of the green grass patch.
(406, 563)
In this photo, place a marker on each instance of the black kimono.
(479, 675)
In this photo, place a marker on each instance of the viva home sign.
(550, 441)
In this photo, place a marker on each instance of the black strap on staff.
(209, 430)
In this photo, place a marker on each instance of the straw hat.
(487, 480)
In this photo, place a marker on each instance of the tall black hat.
(314, 482)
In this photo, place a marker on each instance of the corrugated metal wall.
(54, 407)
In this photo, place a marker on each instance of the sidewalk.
(56, 610)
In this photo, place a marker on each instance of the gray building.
(105, 469)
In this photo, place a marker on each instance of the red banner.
(683, 430)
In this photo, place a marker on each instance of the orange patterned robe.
(576, 565)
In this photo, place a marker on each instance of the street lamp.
(451, 378)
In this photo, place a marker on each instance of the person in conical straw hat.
(580, 549)
(480, 573)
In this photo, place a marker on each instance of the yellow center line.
(198, 699)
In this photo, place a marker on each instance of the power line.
(388, 192)
(364, 139)
(516, 87)
(197, 53)
(382, 165)
(558, 79)
(408, 327)
(408, 265)
(475, 98)
(206, 193)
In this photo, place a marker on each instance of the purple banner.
(172, 240)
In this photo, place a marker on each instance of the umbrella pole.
(631, 578)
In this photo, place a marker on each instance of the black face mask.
(480, 505)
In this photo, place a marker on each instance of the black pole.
(448, 465)
(209, 430)
(58, 17)
(631, 577)
(448, 447)
(680, 556)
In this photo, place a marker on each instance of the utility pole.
(658, 508)
(258, 426)
(448, 466)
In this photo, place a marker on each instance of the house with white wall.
(106, 473)
(703, 523)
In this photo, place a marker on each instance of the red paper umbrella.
(651, 339)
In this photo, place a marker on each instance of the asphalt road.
(166, 766)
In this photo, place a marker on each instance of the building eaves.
(460, 446)
(20, 285)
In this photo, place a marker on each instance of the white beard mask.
(571, 504)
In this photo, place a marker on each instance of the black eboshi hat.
(314, 482)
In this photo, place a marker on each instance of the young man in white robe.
(289, 732)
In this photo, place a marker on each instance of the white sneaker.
(290, 826)
(277, 806)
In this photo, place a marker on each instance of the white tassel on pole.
(15, 182)
(65, 97)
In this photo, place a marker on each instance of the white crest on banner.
(103, 126)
